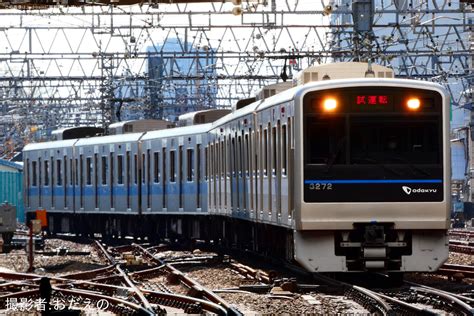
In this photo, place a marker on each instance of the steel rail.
(448, 298)
(105, 253)
(460, 297)
(88, 275)
(192, 284)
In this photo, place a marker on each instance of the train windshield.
(364, 142)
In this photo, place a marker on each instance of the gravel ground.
(17, 260)
(460, 258)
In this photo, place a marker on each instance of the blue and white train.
(340, 172)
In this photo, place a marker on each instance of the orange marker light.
(413, 104)
(329, 105)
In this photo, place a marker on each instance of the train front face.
(373, 178)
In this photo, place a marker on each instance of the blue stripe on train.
(188, 188)
(374, 181)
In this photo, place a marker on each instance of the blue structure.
(11, 186)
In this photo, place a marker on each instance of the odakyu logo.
(409, 190)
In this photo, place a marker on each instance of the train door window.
(278, 170)
(120, 169)
(76, 170)
(112, 184)
(274, 151)
(148, 178)
(52, 181)
(190, 159)
(163, 152)
(135, 168)
(144, 164)
(241, 174)
(46, 173)
(104, 170)
(172, 166)
(283, 150)
(128, 170)
(226, 168)
(33, 169)
(198, 176)
(40, 181)
(180, 178)
(218, 171)
(206, 159)
(96, 180)
(65, 180)
(290, 167)
(81, 172)
(59, 180)
(88, 171)
(27, 182)
(71, 173)
(265, 151)
(156, 167)
(52, 173)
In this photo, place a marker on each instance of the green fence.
(11, 190)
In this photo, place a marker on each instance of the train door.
(32, 185)
(121, 191)
(59, 190)
(190, 187)
(172, 185)
(104, 177)
(154, 190)
(89, 192)
(46, 188)
(147, 177)
(135, 172)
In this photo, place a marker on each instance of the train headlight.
(413, 104)
(329, 104)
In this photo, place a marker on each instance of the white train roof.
(110, 139)
(178, 131)
(50, 145)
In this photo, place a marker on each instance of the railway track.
(114, 288)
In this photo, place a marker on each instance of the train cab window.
(88, 171)
(172, 166)
(284, 145)
(46, 172)
(156, 169)
(59, 180)
(120, 169)
(104, 170)
(329, 147)
(190, 159)
(35, 176)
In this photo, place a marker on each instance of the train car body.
(340, 175)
